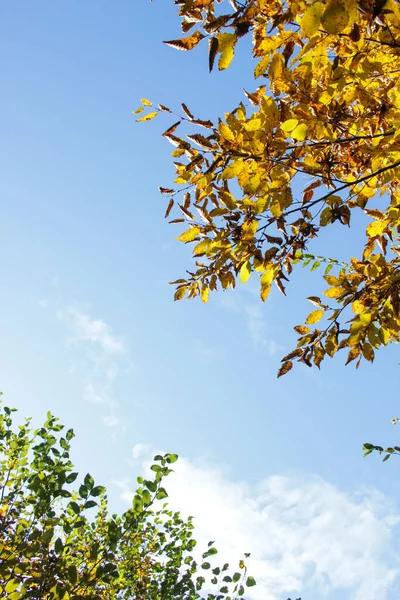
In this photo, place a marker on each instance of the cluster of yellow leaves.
(326, 122)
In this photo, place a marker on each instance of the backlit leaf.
(314, 317)
(245, 272)
(189, 235)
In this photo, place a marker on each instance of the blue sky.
(89, 329)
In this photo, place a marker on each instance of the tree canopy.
(61, 542)
(317, 141)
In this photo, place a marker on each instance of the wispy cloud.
(100, 353)
(305, 535)
(257, 326)
(86, 329)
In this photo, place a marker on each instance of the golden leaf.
(189, 235)
(245, 272)
(232, 170)
(148, 117)
(335, 17)
(205, 292)
(314, 317)
(180, 293)
(226, 58)
(187, 43)
(311, 19)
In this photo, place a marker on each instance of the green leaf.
(96, 491)
(161, 494)
(71, 477)
(171, 458)
(88, 482)
(72, 574)
(58, 546)
(250, 581)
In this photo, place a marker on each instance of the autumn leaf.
(189, 235)
(147, 117)
(314, 317)
(285, 368)
(245, 272)
(324, 124)
(187, 43)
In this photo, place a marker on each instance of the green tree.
(58, 539)
(315, 143)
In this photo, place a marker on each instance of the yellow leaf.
(147, 117)
(335, 17)
(138, 111)
(253, 125)
(226, 40)
(289, 125)
(376, 228)
(271, 112)
(301, 329)
(146, 102)
(300, 132)
(180, 293)
(226, 132)
(189, 235)
(232, 170)
(265, 290)
(201, 248)
(226, 58)
(358, 307)
(314, 317)
(394, 96)
(262, 66)
(311, 19)
(245, 272)
(335, 292)
(205, 292)
(268, 276)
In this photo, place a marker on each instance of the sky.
(89, 329)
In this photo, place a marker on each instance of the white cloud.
(98, 357)
(139, 450)
(86, 329)
(306, 537)
(43, 303)
(110, 420)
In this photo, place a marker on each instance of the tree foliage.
(58, 539)
(316, 142)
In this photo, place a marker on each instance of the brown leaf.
(171, 129)
(169, 208)
(206, 124)
(285, 368)
(288, 51)
(212, 51)
(201, 141)
(187, 43)
(187, 111)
